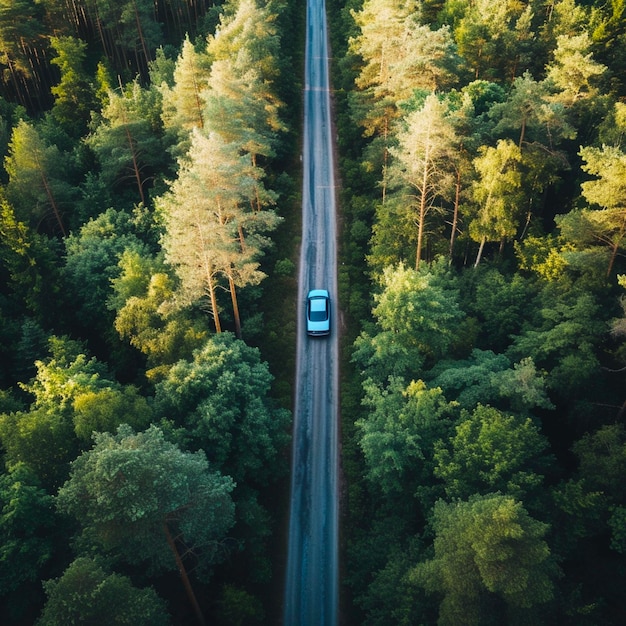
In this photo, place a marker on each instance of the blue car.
(318, 313)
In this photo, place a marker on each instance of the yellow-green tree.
(210, 232)
(604, 227)
(37, 186)
(422, 163)
(497, 195)
(487, 546)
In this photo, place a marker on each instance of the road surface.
(311, 588)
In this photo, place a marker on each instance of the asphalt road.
(311, 588)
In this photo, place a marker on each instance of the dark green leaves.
(129, 486)
(88, 594)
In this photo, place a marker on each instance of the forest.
(149, 215)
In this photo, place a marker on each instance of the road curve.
(312, 577)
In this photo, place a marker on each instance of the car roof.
(318, 304)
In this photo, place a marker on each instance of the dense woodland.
(484, 184)
(144, 195)
(148, 218)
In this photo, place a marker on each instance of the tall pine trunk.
(183, 574)
(213, 297)
(233, 297)
(455, 215)
(480, 251)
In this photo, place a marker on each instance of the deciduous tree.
(489, 378)
(221, 399)
(486, 547)
(562, 340)
(87, 593)
(398, 434)
(492, 452)
(92, 260)
(497, 194)
(143, 297)
(143, 500)
(418, 318)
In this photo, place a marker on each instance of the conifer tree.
(423, 157)
(36, 177)
(183, 104)
(206, 222)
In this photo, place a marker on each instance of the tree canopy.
(149, 216)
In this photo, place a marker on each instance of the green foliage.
(525, 76)
(74, 98)
(547, 256)
(617, 523)
(77, 257)
(399, 56)
(183, 101)
(574, 71)
(496, 194)
(418, 317)
(211, 235)
(394, 237)
(87, 593)
(241, 104)
(74, 395)
(238, 607)
(27, 527)
(33, 343)
(492, 38)
(602, 457)
(528, 354)
(130, 487)
(492, 452)
(128, 141)
(423, 162)
(563, 340)
(67, 372)
(148, 317)
(92, 262)
(586, 228)
(391, 595)
(579, 511)
(398, 435)
(38, 186)
(105, 409)
(31, 261)
(42, 439)
(500, 304)
(532, 116)
(486, 377)
(221, 402)
(486, 545)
